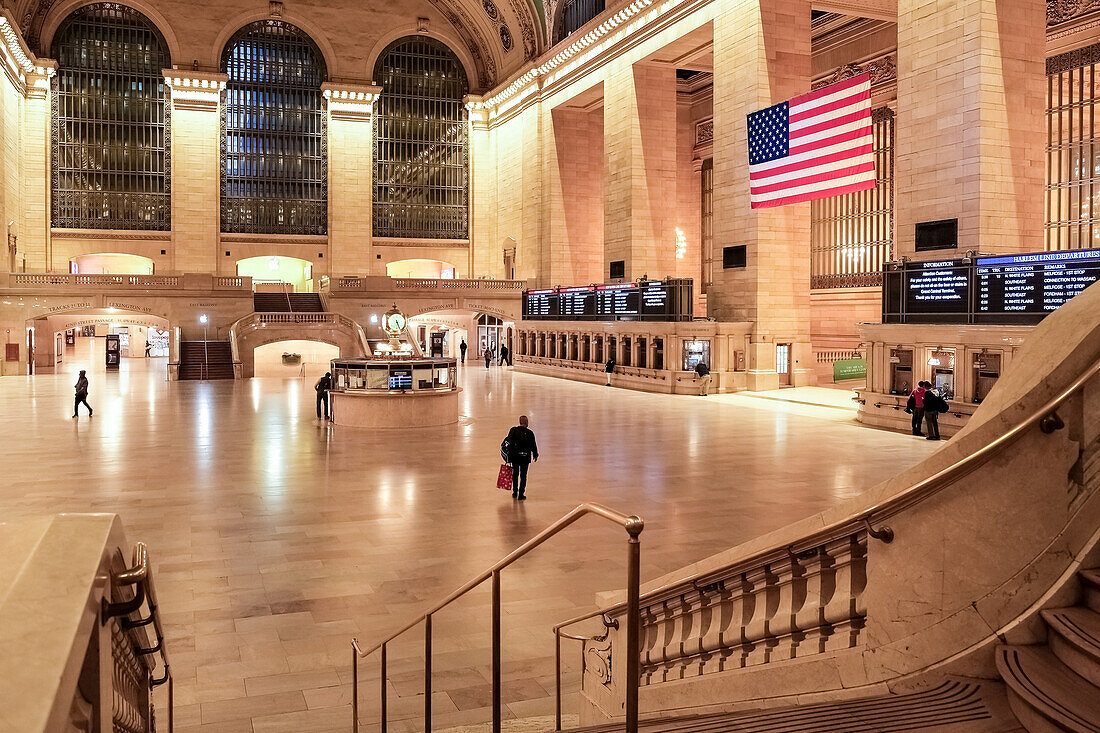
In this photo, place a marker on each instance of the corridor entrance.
(74, 341)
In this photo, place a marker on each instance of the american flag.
(814, 146)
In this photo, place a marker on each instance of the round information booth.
(394, 392)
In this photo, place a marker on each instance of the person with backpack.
(324, 384)
(933, 406)
(915, 407)
(702, 375)
(521, 450)
(81, 387)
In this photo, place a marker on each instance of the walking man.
(324, 384)
(488, 356)
(702, 374)
(81, 394)
(521, 451)
(462, 348)
(505, 356)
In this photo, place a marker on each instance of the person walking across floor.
(462, 349)
(933, 406)
(609, 369)
(521, 450)
(702, 375)
(915, 407)
(505, 356)
(81, 387)
(324, 384)
(488, 357)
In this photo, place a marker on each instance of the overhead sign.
(646, 300)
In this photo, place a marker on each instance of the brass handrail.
(633, 526)
(1046, 417)
(140, 575)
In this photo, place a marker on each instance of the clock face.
(395, 322)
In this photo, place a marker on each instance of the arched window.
(274, 176)
(574, 14)
(111, 145)
(421, 179)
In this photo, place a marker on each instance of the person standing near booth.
(702, 374)
(81, 387)
(915, 407)
(324, 384)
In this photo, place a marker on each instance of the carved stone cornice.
(195, 90)
(882, 70)
(1074, 59)
(350, 101)
(1060, 11)
(116, 234)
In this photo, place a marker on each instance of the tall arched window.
(421, 178)
(111, 145)
(274, 176)
(574, 14)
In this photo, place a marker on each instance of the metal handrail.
(140, 575)
(1046, 417)
(633, 526)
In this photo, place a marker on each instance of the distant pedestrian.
(915, 407)
(324, 384)
(521, 449)
(702, 375)
(488, 356)
(933, 406)
(81, 394)
(462, 348)
(505, 356)
(609, 369)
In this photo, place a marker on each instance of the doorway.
(783, 364)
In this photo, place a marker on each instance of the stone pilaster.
(640, 181)
(486, 255)
(350, 179)
(34, 236)
(196, 169)
(761, 58)
(971, 127)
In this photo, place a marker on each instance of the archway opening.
(110, 263)
(435, 269)
(100, 340)
(293, 359)
(277, 273)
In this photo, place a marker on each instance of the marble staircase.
(1056, 686)
(287, 303)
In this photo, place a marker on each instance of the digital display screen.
(939, 288)
(401, 378)
(1025, 288)
(661, 300)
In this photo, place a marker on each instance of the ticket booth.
(987, 370)
(695, 351)
(901, 371)
(942, 370)
(114, 350)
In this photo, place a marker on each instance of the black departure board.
(653, 300)
(1024, 288)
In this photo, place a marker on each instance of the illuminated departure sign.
(647, 300)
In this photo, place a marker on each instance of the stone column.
(350, 177)
(486, 257)
(971, 126)
(640, 180)
(34, 234)
(196, 169)
(761, 58)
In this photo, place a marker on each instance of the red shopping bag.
(504, 478)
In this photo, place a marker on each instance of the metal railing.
(1045, 417)
(140, 576)
(633, 526)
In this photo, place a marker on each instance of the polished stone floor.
(277, 537)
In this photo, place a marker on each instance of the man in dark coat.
(324, 384)
(81, 394)
(462, 348)
(521, 451)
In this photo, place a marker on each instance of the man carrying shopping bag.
(518, 450)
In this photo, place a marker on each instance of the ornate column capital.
(479, 111)
(196, 90)
(350, 101)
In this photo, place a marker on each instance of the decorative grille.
(110, 123)
(707, 222)
(574, 14)
(421, 142)
(1073, 152)
(274, 148)
(851, 236)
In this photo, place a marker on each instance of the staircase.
(206, 360)
(1056, 686)
(287, 303)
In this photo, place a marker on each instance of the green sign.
(849, 369)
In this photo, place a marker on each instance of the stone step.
(1075, 639)
(1045, 694)
(1090, 582)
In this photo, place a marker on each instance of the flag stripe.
(802, 197)
(808, 151)
(825, 172)
(816, 187)
(863, 152)
(817, 95)
(825, 125)
(863, 134)
(853, 101)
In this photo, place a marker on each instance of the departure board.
(654, 300)
(1024, 288)
(935, 291)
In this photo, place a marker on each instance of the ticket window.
(696, 351)
(611, 352)
(902, 380)
(627, 351)
(987, 370)
(642, 346)
(942, 372)
(658, 353)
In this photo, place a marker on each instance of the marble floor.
(277, 537)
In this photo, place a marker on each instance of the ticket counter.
(394, 393)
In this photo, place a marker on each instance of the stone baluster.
(790, 598)
(845, 611)
(760, 604)
(819, 587)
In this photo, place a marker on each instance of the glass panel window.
(574, 14)
(274, 138)
(1073, 155)
(111, 166)
(851, 236)
(421, 157)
